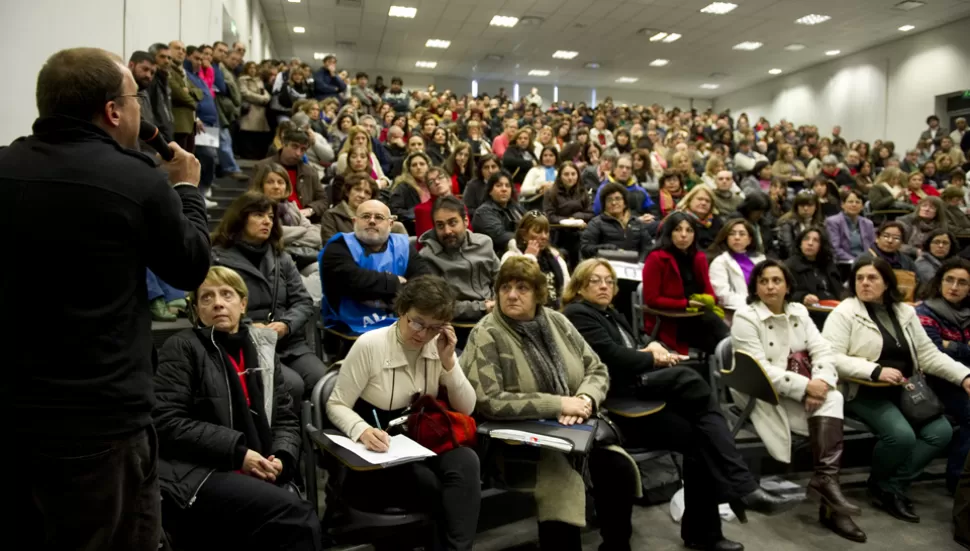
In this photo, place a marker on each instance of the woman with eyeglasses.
(735, 256)
(385, 370)
(689, 423)
(532, 241)
(945, 315)
(930, 215)
(228, 436)
(889, 241)
(879, 338)
(938, 246)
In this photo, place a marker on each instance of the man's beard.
(370, 239)
(451, 243)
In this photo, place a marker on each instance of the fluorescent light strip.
(426, 64)
(748, 46)
(906, 28)
(539, 73)
(435, 43)
(672, 37)
(658, 37)
(659, 62)
(719, 8)
(833, 52)
(795, 47)
(627, 80)
(504, 21)
(402, 11)
(812, 19)
(320, 55)
(774, 71)
(710, 86)
(299, 30)
(565, 54)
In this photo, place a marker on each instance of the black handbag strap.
(276, 286)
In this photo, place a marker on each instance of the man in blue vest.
(362, 271)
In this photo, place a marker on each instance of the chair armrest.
(671, 313)
(632, 408)
(866, 382)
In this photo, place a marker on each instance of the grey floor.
(797, 530)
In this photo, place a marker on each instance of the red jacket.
(927, 189)
(664, 290)
(423, 221)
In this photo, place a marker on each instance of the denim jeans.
(207, 159)
(226, 160)
(158, 288)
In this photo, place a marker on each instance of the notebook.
(544, 434)
(401, 450)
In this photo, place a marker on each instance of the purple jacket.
(838, 228)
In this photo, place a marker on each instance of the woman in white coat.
(780, 335)
(533, 232)
(731, 269)
(876, 337)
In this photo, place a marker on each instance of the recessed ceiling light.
(426, 64)
(503, 21)
(592, 65)
(539, 73)
(907, 28)
(435, 43)
(774, 71)
(748, 46)
(719, 8)
(710, 86)
(658, 37)
(320, 55)
(812, 19)
(294, 1)
(672, 37)
(627, 80)
(833, 52)
(564, 54)
(909, 5)
(299, 30)
(795, 47)
(402, 11)
(659, 62)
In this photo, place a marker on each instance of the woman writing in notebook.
(382, 374)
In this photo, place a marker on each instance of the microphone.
(149, 134)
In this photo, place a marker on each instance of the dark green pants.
(902, 452)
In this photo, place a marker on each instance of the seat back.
(636, 310)
(319, 396)
(748, 377)
(721, 363)
(906, 283)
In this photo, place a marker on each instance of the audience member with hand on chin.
(228, 437)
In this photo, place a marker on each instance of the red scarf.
(241, 371)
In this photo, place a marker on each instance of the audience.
(475, 192)
(813, 267)
(805, 213)
(928, 217)
(938, 246)
(410, 189)
(499, 215)
(852, 234)
(533, 232)
(616, 229)
(735, 256)
(878, 338)
(307, 191)
(698, 203)
(889, 240)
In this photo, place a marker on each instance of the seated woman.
(225, 452)
(499, 215)
(889, 240)
(828, 195)
(533, 234)
(248, 240)
(300, 237)
(937, 246)
(671, 191)
(519, 158)
(421, 346)
(699, 204)
(359, 136)
(879, 338)
(805, 213)
(439, 184)
(778, 333)
(816, 276)
(540, 178)
(930, 215)
(410, 189)
(616, 228)
(675, 277)
(787, 168)
(735, 256)
(756, 210)
(461, 166)
(474, 194)
(689, 423)
(528, 362)
(852, 234)
(918, 188)
(566, 203)
(945, 315)
(360, 159)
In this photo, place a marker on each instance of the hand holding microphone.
(182, 166)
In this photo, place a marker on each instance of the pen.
(376, 420)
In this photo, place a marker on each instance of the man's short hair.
(450, 203)
(216, 43)
(157, 47)
(830, 160)
(329, 58)
(361, 75)
(139, 56)
(932, 118)
(77, 82)
(397, 80)
(189, 50)
(295, 136)
(952, 192)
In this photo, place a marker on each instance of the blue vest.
(361, 317)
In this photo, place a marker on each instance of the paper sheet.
(402, 448)
(209, 137)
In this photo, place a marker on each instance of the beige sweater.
(367, 372)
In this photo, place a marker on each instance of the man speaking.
(84, 216)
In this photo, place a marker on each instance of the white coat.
(728, 282)
(533, 179)
(769, 339)
(857, 342)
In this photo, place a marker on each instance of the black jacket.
(499, 223)
(81, 357)
(161, 101)
(342, 277)
(518, 162)
(294, 307)
(557, 204)
(402, 201)
(193, 414)
(811, 279)
(601, 330)
(606, 233)
(474, 196)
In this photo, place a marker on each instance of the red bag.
(801, 363)
(439, 429)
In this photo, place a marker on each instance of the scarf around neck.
(543, 354)
(957, 316)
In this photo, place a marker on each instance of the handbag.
(439, 429)
(800, 363)
(917, 401)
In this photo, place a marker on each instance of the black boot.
(722, 544)
(825, 434)
(894, 504)
(840, 524)
(763, 502)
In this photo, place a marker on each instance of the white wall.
(884, 92)
(119, 26)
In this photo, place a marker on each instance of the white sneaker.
(210, 204)
(208, 193)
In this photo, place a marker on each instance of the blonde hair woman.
(681, 162)
(889, 190)
(359, 136)
(788, 168)
(699, 202)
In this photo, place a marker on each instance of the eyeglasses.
(597, 281)
(367, 217)
(419, 327)
(955, 282)
(891, 237)
(614, 199)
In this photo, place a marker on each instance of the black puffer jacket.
(606, 233)
(193, 414)
(499, 223)
(815, 278)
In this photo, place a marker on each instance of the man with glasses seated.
(362, 271)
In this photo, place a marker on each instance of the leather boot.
(840, 524)
(825, 434)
